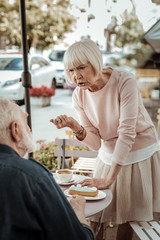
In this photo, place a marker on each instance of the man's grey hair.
(9, 112)
(82, 52)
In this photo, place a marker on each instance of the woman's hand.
(65, 121)
(95, 182)
(105, 182)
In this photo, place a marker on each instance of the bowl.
(64, 175)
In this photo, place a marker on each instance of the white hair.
(82, 52)
(9, 112)
(27, 144)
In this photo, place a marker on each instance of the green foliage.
(47, 20)
(129, 34)
(130, 31)
(45, 155)
(140, 54)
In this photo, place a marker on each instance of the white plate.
(100, 195)
(74, 180)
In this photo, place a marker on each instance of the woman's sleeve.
(92, 138)
(128, 118)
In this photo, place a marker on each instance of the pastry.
(83, 191)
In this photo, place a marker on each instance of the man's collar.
(7, 149)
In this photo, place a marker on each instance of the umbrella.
(26, 76)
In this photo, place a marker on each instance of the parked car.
(67, 85)
(56, 57)
(11, 67)
(70, 86)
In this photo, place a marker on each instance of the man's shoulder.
(34, 163)
(17, 165)
(32, 167)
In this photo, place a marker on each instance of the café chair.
(86, 158)
(147, 230)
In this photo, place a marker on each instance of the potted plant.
(44, 93)
(45, 154)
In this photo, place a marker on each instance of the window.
(38, 61)
(13, 64)
(57, 55)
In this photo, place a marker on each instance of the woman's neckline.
(94, 92)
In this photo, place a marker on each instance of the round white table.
(93, 206)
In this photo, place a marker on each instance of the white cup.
(64, 175)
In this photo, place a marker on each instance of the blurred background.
(126, 31)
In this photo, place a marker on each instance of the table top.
(93, 206)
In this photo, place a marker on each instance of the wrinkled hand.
(65, 121)
(78, 204)
(95, 182)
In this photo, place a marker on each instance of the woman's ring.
(58, 120)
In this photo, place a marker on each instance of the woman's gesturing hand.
(65, 121)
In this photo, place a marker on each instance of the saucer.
(72, 181)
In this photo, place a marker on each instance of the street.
(42, 129)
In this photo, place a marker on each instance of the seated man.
(32, 206)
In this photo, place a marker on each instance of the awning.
(152, 36)
(156, 1)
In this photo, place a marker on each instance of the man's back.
(32, 205)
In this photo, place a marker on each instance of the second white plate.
(100, 195)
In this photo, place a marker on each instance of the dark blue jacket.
(32, 206)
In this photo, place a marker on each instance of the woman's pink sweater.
(115, 117)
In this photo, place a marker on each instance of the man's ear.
(16, 132)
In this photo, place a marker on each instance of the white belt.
(132, 157)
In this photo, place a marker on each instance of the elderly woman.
(114, 121)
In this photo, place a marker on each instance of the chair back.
(61, 152)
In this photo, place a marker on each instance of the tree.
(129, 34)
(130, 31)
(47, 22)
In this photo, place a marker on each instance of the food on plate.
(83, 191)
(64, 172)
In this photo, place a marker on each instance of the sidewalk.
(42, 128)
